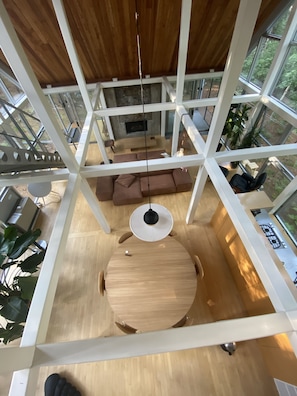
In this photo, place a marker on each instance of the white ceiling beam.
(140, 166)
(34, 177)
(16, 358)
(217, 333)
(256, 153)
(124, 110)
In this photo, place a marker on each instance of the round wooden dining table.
(150, 285)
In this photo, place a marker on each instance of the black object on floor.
(229, 347)
(55, 385)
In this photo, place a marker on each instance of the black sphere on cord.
(151, 217)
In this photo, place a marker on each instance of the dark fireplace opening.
(136, 126)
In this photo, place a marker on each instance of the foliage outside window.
(287, 215)
(276, 180)
(13, 91)
(286, 86)
(273, 128)
(268, 47)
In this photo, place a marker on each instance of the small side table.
(40, 190)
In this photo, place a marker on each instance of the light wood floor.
(204, 371)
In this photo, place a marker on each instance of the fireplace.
(136, 126)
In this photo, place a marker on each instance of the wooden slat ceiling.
(104, 32)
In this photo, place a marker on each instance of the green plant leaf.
(6, 245)
(11, 332)
(27, 285)
(31, 263)
(23, 242)
(15, 309)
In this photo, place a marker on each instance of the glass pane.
(263, 63)
(79, 107)
(248, 63)
(279, 27)
(273, 127)
(276, 180)
(286, 87)
(4, 97)
(58, 108)
(14, 90)
(287, 214)
(189, 90)
(215, 84)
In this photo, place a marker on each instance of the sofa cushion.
(182, 180)
(150, 155)
(124, 158)
(159, 184)
(125, 180)
(104, 188)
(127, 195)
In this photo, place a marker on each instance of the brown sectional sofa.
(131, 189)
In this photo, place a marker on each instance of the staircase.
(16, 160)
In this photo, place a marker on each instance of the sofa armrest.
(182, 180)
(104, 188)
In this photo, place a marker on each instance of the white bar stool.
(40, 190)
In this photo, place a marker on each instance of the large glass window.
(258, 62)
(274, 130)
(268, 47)
(286, 86)
(287, 215)
(14, 91)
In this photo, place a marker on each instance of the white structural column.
(70, 47)
(15, 55)
(181, 65)
(94, 205)
(83, 145)
(243, 30)
(24, 381)
(197, 193)
(106, 118)
(163, 113)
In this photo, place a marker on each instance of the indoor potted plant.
(16, 294)
(235, 126)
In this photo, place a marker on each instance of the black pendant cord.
(142, 98)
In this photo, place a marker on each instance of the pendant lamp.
(149, 222)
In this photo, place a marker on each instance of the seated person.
(246, 182)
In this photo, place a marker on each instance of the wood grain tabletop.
(154, 286)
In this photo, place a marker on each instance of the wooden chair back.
(101, 283)
(198, 267)
(125, 328)
(125, 236)
(181, 322)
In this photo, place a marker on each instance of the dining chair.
(181, 322)
(198, 267)
(125, 328)
(125, 236)
(101, 283)
(109, 143)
